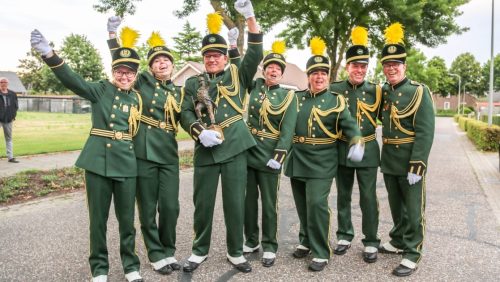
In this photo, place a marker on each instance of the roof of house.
(15, 83)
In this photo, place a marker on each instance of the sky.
(78, 17)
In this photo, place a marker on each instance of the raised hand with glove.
(39, 43)
(113, 24)
(356, 152)
(245, 8)
(413, 178)
(209, 138)
(232, 35)
(274, 164)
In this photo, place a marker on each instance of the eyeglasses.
(216, 56)
(3, 82)
(128, 74)
(391, 66)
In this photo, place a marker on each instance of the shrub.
(445, 113)
(496, 119)
(485, 137)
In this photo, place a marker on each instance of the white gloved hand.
(356, 152)
(272, 163)
(209, 138)
(245, 8)
(233, 34)
(39, 43)
(113, 23)
(413, 178)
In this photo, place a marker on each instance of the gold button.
(322, 100)
(346, 92)
(149, 126)
(314, 135)
(302, 139)
(157, 87)
(261, 138)
(115, 106)
(274, 94)
(225, 105)
(112, 115)
(252, 107)
(397, 146)
(225, 115)
(154, 102)
(117, 98)
(364, 99)
(319, 106)
(263, 130)
(300, 105)
(396, 137)
(360, 127)
(254, 130)
(251, 115)
(303, 98)
(314, 119)
(397, 102)
(255, 99)
(108, 145)
(383, 117)
(395, 128)
(385, 93)
(272, 98)
(111, 125)
(314, 128)
(347, 99)
(151, 110)
(131, 147)
(399, 94)
(203, 115)
(362, 113)
(362, 119)
(157, 83)
(385, 101)
(175, 95)
(156, 94)
(364, 92)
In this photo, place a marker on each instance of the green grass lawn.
(38, 133)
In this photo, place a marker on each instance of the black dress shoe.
(138, 280)
(317, 266)
(341, 249)
(383, 250)
(190, 266)
(244, 267)
(370, 257)
(166, 270)
(402, 271)
(268, 262)
(175, 266)
(13, 160)
(301, 253)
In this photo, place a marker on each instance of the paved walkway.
(47, 240)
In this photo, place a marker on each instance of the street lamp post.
(463, 102)
(459, 82)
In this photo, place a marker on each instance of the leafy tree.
(30, 71)
(426, 22)
(438, 78)
(188, 44)
(496, 74)
(416, 66)
(142, 51)
(121, 7)
(82, 57)
(469, 70)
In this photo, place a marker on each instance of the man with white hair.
(8, 112)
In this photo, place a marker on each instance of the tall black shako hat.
(157, 47)
(317, 61)
(358, 52)
(126, 55)
(276, 55)
(394, 50)
(213, 41)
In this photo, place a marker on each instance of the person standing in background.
(8, 112)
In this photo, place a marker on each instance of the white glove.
(113, 23)
(39, 43)
(356, 152)
(245, 8)
(209, 138)
(233, 34)
(272, 163)
(413, 178)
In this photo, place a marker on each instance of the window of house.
(446, 105)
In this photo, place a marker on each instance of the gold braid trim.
(171, 108)
(268, 109)
(367, 109)
(227, 94)
(317, 113)
(135, 116)
(408, 111)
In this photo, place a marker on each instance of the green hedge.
(496, 119)
(485, 137)
(445, 113)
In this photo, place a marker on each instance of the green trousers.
(368, 202)
(100, 190)
(311, 201)
(158, 190)
(233, 176)
(407, 203)
(268, 186)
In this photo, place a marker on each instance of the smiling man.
(408, 131)
(313, 160)
(363, 100)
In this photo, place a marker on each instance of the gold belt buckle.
(163, 125)
(386, 141)
(254, 131)
(118, 135)
(302, 139)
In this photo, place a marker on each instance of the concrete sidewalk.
(47, 240)
(56, 160)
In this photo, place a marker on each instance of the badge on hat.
(125, 53)
(359, 51)
(212, 39)
(318, 59)
(391, 49)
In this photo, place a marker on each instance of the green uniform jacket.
(408, 127)
(227, 89)
(111, 110)
(363, 102)
(161, 102)
(272, 114)
(321, 115)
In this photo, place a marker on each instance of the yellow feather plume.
(278, 47)
(214, 23)
(129, 37)
(359, 36)
(317, 46)
(155, 40)
(394, 34)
